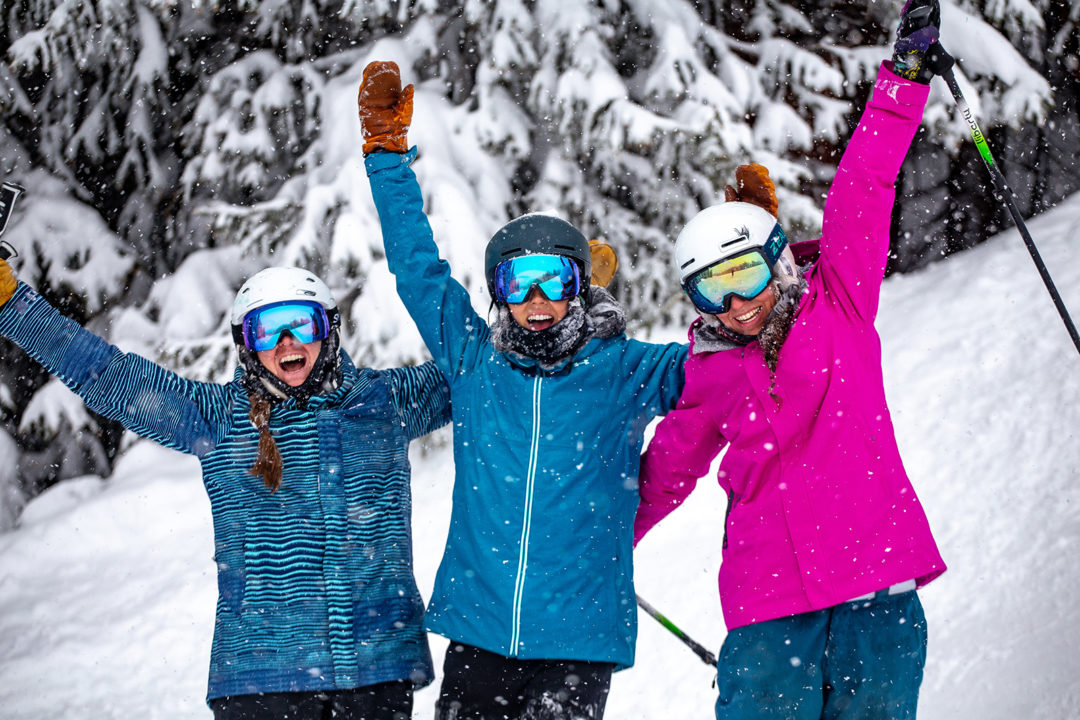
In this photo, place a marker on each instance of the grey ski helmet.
(537, 234)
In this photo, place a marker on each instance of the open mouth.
(292, 363)
(540, 321)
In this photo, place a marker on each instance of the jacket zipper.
(727, 515)
(526, 523)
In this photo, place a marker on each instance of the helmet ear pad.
(538, 234)
(786, 270)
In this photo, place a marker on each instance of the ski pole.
(9, 193)
(942, 63)
(706, 657)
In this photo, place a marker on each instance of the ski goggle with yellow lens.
(745, 275)
(305, 321)
(557, 277)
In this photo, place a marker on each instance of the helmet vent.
(743, 236)
(688, 263)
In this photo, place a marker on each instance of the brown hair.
(268, 463)
(775, 332)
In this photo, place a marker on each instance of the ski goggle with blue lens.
(305, 321)
(745, 275)
(556, 276)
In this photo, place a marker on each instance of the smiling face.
(290, 360)
(537, 312)
(747, 317)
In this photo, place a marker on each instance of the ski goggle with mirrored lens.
(556, 276)
(745, 275)
(305, 321)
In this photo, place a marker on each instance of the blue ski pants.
(854, 661)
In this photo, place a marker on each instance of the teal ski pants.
(854, 661)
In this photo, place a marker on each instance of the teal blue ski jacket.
(315, 581)
(538, 558)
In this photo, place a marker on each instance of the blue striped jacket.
(315, 582)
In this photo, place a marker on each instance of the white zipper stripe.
(526, 523)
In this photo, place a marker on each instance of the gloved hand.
(604, 263)
(385, 108)
(916, 39)
(7, 282)
(754, 187)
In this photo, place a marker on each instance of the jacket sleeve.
(658, 375)
(438, 304)
(681, 450)
(422, 398)
(858, 209)
(145, 398)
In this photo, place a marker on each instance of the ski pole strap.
(1005, 193)
(9, 193)
(706, 657)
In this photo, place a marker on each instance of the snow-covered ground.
(107, 587)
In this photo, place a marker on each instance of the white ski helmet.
(278, 284)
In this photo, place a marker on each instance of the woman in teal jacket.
(305, 459)
(550, 404)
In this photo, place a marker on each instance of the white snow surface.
(107, 586)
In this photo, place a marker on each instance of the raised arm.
(144, 397)
(858, 210)
(438, 304)
(855, 241)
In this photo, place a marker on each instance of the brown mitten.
(604, 262)
(754, 187)
(385, 108)
(7, 282)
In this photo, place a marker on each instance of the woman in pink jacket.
(825, 540)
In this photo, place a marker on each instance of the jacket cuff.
(900, 90)
(383, 160)
(16, 306)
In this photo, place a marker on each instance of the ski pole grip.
(7, 251)
(938, 60)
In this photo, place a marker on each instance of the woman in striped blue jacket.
(305, 459)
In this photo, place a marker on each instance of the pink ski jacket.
(820, 509)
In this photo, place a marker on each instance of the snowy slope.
(107, 587)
